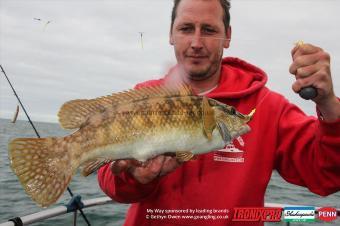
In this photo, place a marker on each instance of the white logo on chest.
(231, 153)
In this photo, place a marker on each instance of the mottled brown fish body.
(147, 123)
(132, 125)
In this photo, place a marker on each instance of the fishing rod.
(22, 106)
(77, 203)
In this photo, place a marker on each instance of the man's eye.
(209, 31)
(186, 29)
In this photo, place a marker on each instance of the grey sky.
(93, 48)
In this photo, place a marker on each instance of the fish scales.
(136, 124)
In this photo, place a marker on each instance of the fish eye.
(232, 111)
(213, 102)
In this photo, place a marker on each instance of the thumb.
(119, 166)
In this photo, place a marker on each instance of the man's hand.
(158, 166)
(311, 67)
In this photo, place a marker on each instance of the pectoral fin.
(223, 131)
(184, 156)
(93, 165)
(209, 122)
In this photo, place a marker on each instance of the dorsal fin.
(74, 113)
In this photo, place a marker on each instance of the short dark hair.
(225, 6)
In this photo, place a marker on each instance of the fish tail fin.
(43, 166)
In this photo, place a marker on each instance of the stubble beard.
(203, 74)
(199, 75)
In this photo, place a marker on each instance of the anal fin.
(93, 165)
(184, 156)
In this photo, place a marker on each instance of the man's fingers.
(119, 166)
(170, 164)
(306, 71)
(304, 49)
(155, 165)
(311, 67)
(147, 172)
(298, 85)
(150, 171)
(319, 80)
(321, 59)
(303, 61)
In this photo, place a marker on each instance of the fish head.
(230, 123)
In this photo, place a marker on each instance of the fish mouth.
(244, 129)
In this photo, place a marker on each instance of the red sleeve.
(308, 152)
(124, 188)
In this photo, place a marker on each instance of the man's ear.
(228, 38)
(171, 39)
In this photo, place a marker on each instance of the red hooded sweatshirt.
(303, 149)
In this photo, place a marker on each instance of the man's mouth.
(196, 59)
(196, 56)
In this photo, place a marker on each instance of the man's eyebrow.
(185, 24)
(210, 26)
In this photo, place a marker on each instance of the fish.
(135, 124)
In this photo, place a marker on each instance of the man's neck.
(198, 86)
(202, 86)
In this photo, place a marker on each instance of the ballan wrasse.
(135, 124)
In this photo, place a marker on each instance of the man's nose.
(196, 41)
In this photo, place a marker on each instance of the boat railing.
(56, 211)
(60, 210)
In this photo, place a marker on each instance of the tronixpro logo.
(257, 214)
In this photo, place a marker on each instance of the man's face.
(199, 36)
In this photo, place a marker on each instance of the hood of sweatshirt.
(238, 79)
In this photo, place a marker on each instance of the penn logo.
(327, 214)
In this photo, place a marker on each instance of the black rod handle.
(308, 93)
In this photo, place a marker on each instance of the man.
(304, 150)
